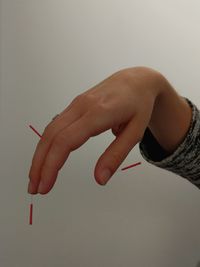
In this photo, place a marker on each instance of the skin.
(126, 102)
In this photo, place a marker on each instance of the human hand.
(123, 103)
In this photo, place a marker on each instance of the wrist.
(144, 78)
(170, 118)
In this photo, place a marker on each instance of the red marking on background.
(131, 166)
(31, 214)
(31, 205)
(35, 130)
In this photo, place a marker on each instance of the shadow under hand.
(198, 264)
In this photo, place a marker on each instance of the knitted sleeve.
(185, 160)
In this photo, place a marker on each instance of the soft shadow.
(198, 264)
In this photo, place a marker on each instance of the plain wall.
(52, 51)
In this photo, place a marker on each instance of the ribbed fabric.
(185, 160)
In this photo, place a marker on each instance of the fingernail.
(41, 187)
(30, 188)
(105, 176)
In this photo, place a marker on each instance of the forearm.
(171, 116)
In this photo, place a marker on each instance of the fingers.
(67, 132)
(44, 145)
(50, 159)
(118, 150)
(66, 141)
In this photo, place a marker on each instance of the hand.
(123, 103)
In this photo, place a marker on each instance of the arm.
(128, 102)
(172, 138)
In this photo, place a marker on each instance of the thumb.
(117, 151)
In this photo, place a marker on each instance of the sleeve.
(185, 160)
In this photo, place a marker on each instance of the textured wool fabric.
(185, 160)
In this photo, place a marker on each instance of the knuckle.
(101, 107)
(92, 102)
(86, 101)
(85, 98)
(77, 99)
(92, 97)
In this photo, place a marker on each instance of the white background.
(52, 51)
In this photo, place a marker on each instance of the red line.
(31, 214)
(35, 130)
(31, 205)
(130, 166)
